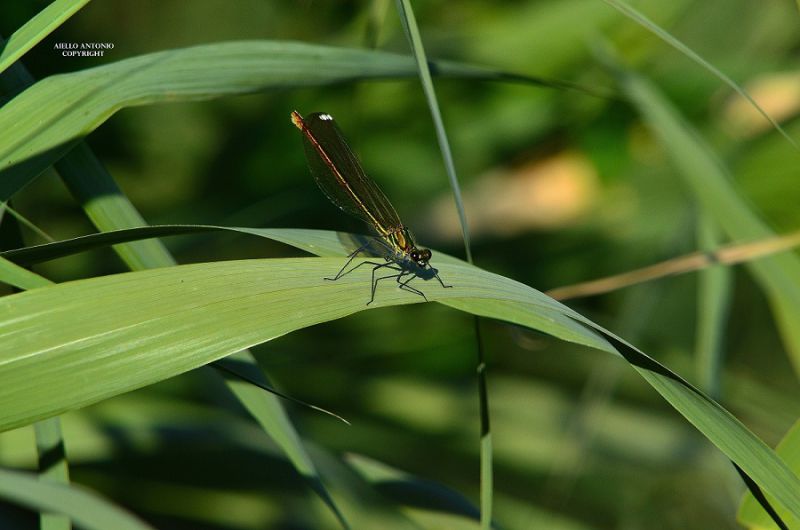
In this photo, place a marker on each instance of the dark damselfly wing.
(339, 174)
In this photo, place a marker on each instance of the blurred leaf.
(710, 183)
(661, 33)
(265, 408)
(713, 304)
(415, 41)
(121, 332)
(275, 421)
(407, 490)
(84, 507)
(36, 29)
(360, 501)
(100, 197)
(408, 20)
(13, 274)
(318, 242)
(44, 122)
(108, 208)
(751, 514)
(52, 466)
(51, 454)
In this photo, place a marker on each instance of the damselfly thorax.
(402, 243)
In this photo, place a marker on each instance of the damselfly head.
(420, 256)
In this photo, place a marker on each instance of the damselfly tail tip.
(297, 119)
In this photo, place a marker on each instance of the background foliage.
(560, 187)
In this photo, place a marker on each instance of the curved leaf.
(265, 408)
(751, 514)
(319, 242)
(53, 466)
(82, 506)
(658, 31)
(409, 490)
(45, 121)
(13, 274)
(709, 182)
(71, 344)
(273, 418)
(37, 28)
(76, 343)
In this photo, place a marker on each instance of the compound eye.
(426, 254)
(415, 255)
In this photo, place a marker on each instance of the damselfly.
(342, 179)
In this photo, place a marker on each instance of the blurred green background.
(560, 187)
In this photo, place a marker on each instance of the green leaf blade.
(13, 274)
(751, 514)
(710, 183)
(117, 333)
(48, 119)
(81, 505)
(37, 28)
(108, 335)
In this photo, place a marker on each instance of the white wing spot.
(326, 117)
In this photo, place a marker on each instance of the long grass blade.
(318, 242)
(44, 122)
(360, 500)
(52, 466)
(24, 221)
(275, 421)
(751, 512)
(708, 180)
(95, 189)
(405, 488)
(82, 506)
(418, 49)
(19, 277)
(638, 17)
(50, 451)
(109, 209)
(36, 29)
(162, 322)
(713, 303)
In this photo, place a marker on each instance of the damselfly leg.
(403, 284)
(388, 264)
(436, 274)
(350, 258)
